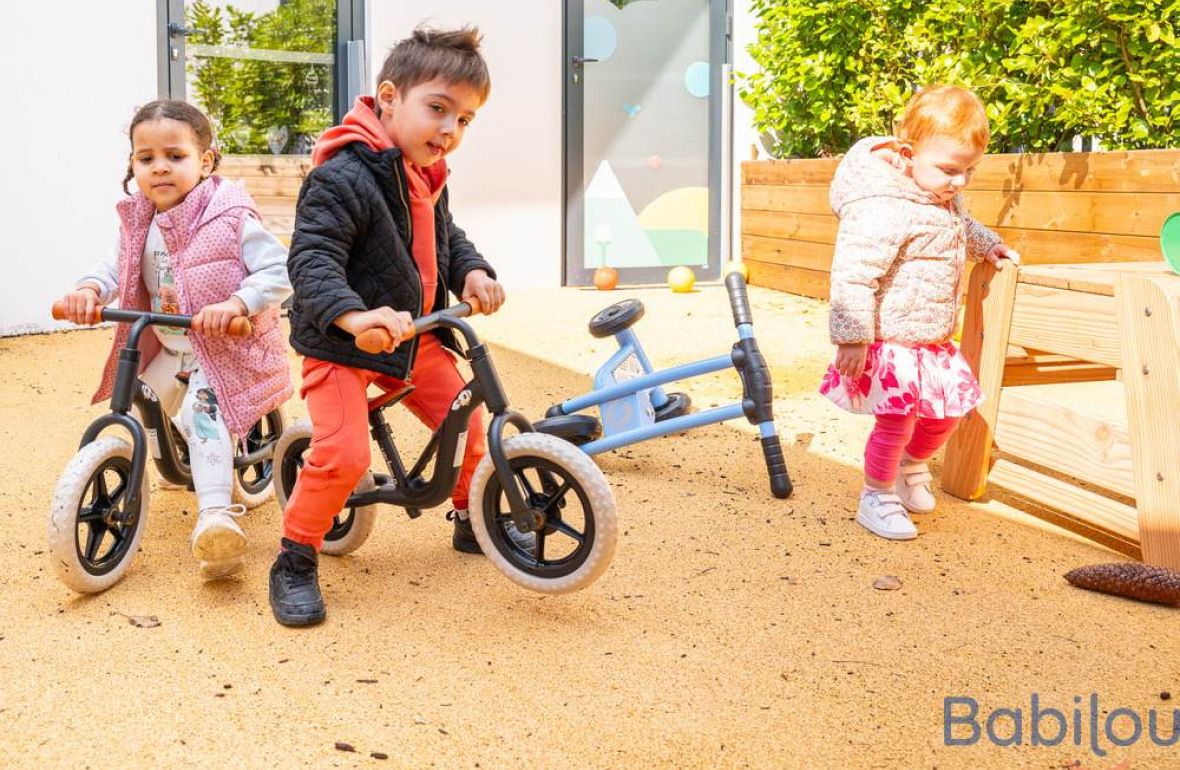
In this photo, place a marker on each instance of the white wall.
(72, 74)
(744, 134)
(506, 177)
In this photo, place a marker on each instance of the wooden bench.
(1052, 208)
(1082, 417)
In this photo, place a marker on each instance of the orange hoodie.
(361, 124)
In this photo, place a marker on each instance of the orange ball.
(606, 278)
(681, 278)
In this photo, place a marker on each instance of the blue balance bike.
(635, 407)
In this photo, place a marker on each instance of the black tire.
(352, 526)
(254, 484)
(678, 404)
(611, 320)
(570, 492)
(578, 429)
(88, 504)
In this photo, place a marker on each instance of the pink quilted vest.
(203, 235)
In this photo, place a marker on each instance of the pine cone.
(1131, 579)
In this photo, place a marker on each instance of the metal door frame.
(573, 160)
(351, 65)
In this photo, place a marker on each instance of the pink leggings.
(897, 433)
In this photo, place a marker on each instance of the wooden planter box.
(1052, 208)
(274, 181)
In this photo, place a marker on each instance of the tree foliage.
(832, 71)
(260, 106)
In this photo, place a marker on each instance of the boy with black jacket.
(375, 247)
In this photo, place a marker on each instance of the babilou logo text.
(1084, 724)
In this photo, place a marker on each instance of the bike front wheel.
(94, 531)
(562, 486)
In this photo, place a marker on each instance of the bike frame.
(408, 489)
(155, 434)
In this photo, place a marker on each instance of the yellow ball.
(681, 279)
(734, 266)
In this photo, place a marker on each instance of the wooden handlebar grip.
(373, 340)
(240, 327)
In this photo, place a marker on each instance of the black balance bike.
(100, 504)
(537, 482)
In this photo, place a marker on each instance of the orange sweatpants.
(339, 453)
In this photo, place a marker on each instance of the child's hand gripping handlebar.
(238, 327)
(379, 339)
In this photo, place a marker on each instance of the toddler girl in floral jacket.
(903, 241)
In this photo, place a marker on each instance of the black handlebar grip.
(776, 466)
(738, 300)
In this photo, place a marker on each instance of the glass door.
(271, 74)
(643, 98)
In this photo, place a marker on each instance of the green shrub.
(832, 71)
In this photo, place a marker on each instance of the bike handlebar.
(376, 340)
(738, 301)
(238, 327)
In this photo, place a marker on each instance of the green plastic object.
(1170, 241)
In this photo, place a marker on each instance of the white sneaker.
(883, 514)
(217, 538)
(913, 487)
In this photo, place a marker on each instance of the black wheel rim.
(255, 477)
(292, 464)
(105, 527)
(181, 447)
(565, 541)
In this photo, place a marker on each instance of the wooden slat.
(794, 280)
(817, 228)
(1116, 213)
(1149, 311)
(986, 328)
(1091, 278)
(1033, 427)
(1082, 511)
(1047, 368)
(1049, 246)
(1082, 326)
(778, 251)
(272, 186)
(801, 200)
(264, 165)
(1140, 170)
(776, 172)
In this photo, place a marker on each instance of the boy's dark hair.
(174, 110)
(450, 54)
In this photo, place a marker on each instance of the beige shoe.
(913, 487)
(215, 570)
(217, 537)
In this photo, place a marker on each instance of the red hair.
(950, 112)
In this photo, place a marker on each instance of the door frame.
(351, 65)
(573, 159)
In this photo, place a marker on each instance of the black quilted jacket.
(351, 251)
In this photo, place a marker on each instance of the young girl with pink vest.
(191, 243)
(897, 272)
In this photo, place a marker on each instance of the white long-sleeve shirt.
(265, 285)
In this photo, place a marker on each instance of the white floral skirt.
(932, 381)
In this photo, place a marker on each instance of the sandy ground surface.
(733, 629)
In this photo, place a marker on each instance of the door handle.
(178, 30)
(580, 60)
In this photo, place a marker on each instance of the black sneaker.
(463, 538)
(295, 597)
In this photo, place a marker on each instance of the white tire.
(87, 554)
(350, 527)
(253, 485)
(593, 546)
